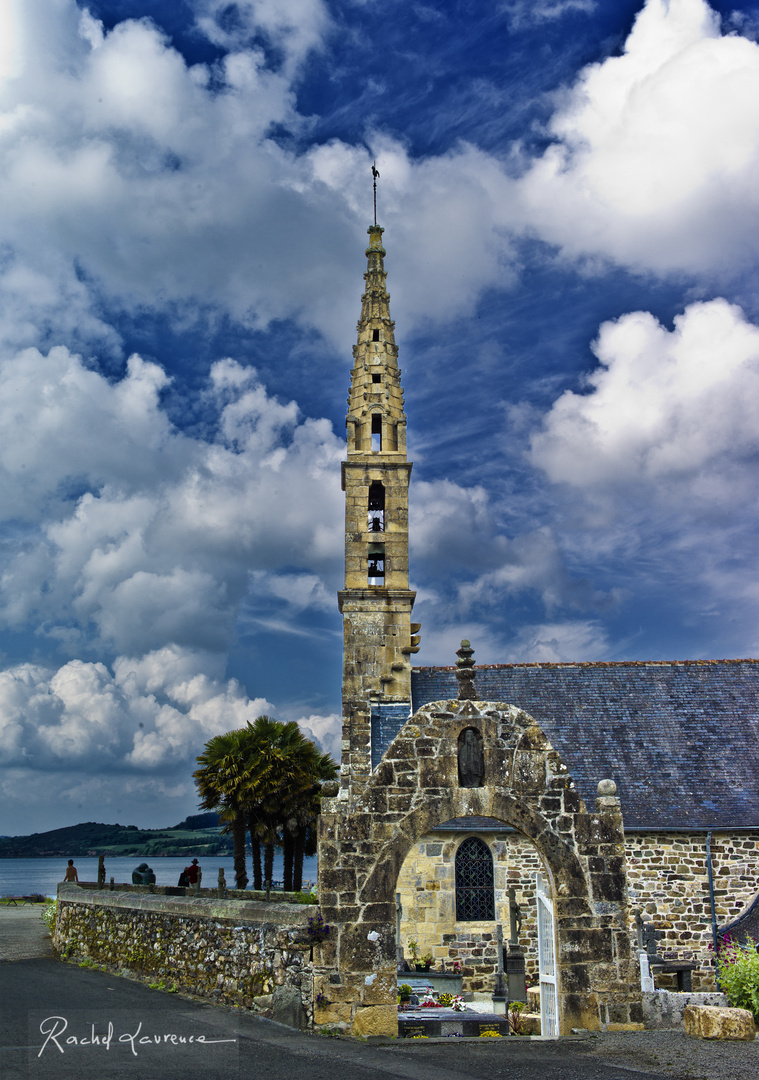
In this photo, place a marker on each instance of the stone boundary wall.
(254, 954)
(663, 1010)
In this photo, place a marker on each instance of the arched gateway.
(366, 833)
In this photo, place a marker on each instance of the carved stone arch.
(366, 834)
(559, 857)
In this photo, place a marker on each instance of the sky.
(570, 196)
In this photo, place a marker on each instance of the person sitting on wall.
(71, 874)
(183, 882)
(192, 872)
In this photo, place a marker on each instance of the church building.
(617, 783)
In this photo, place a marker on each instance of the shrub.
(48, 914)
(516, 1008)
(738, 970)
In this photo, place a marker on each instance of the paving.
(23, 935)
(69, 1023)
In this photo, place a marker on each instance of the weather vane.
(375, 174)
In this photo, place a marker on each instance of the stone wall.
(667, 880)
(366, 833)
(427, 885)
(254, 954)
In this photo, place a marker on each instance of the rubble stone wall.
(257, 955)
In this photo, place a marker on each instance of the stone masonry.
(365, 838)
(376, 602)
(667, 880)
(247, 953)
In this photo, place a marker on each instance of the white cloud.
(550, 642)
(129, 176)
(559, 642)
(523, 13)
(324, 730)
(676, 412)
(132, 177)
(656, 463)
(454, 532)
(656, 156)
(150, 713)
(294, 27)
(464, 188)
(129, 534)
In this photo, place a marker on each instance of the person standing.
(192, 872)
(71, 874)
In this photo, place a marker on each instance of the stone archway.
(365, 837)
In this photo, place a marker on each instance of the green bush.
(738, 970)
(49, 913)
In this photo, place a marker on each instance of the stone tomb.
(367, 831)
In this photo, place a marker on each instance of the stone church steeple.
(376, 603)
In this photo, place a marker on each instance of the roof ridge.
(590, 664)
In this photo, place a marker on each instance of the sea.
(23, 877)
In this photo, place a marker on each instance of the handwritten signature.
(54, 1028)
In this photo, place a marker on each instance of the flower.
(317, 928)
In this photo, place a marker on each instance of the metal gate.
(549, 996)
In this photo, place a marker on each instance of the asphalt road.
(62, 1022)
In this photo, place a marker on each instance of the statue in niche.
(471, 758)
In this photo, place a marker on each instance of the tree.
(282, 785)
(222, 786)
(299, 832)
(267, 776)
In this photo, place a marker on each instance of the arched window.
(474, 882)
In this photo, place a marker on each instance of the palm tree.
(283, 780)
(299, 832)
(267, 776)
(221, 785)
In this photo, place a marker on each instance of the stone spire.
(376, 421)
(376, 603)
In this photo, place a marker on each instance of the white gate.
(549, 996)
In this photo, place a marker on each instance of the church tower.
(376, 603)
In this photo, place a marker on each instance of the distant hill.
(209, 820)
(198, 835)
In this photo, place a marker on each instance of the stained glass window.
(474, 882)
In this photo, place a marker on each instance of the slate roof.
(680, 738)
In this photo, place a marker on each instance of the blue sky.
(570, 196)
